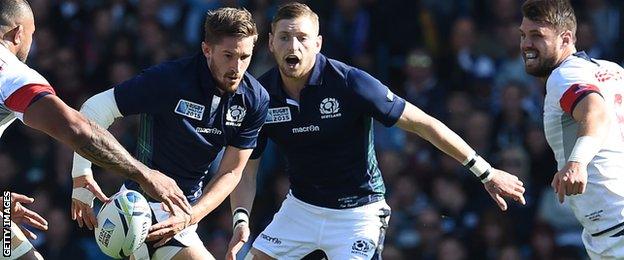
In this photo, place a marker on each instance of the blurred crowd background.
(458, 60)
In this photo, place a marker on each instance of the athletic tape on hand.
(84, 195)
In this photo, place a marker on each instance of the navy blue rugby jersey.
(327, 137)
(185, 121)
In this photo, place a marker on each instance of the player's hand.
(570, 180)
(166, 190)
(504, 184)
(164, 231)
(85, 189)
(21, 215)
(240, 236)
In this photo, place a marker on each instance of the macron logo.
(306, 129)
(213, 131)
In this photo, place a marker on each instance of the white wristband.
(585, 148)
(479, 167)
(240, 215)
(472, 156)
(80, 166)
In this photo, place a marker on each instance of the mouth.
(231, 77)
(292, 61)
(530, 56)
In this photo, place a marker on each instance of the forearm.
(215, 193)
(101, 148)
(244, 193)
(101, 109)
(435, 132)
(50, 115)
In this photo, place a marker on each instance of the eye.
(244, 57)
(283, 38)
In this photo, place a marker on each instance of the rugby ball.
(122, 224)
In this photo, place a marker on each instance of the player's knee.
(193, 252)
(255, 254)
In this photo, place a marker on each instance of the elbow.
(78, 131)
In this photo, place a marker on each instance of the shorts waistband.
(363, 208)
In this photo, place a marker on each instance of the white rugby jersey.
(601, 207)
(19, 86)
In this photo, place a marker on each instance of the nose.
(236, 65)
(294, 44)
(525, 43)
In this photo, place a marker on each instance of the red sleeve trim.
(26, 95)
(574, 94)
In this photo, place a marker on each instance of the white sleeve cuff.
(101, 109)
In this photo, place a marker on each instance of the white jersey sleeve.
(19, 84)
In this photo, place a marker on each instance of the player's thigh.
(357, 238)
(193, 252)
(293, 233)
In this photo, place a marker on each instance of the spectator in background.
(464, 63)
(587, 40)
(451, 248)
(348, 34)
(509, 127)
(422, 87)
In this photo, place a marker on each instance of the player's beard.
(223, 79)
(22, 54)
(546, 64)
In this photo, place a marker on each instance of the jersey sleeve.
(23, 97)
(570, 86)
(376, 98)
(261, 144)
(575, 93)
(142, 94)
(248, 135)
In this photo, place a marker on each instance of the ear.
(271, 42)
(567, 38)
(206, 49)
(15, 35)
(319, 43)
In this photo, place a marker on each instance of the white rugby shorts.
(299, 228)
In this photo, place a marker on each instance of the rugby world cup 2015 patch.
(278, 115)
(190, 109)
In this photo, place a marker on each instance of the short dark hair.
(557, 13)
(291, 11)
(10, 10)
(227, 22)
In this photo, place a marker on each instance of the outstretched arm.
(50, 115)
(219, 187)
(497, 183)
